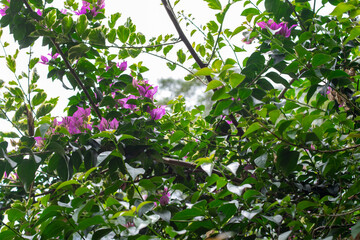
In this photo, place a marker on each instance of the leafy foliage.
(276, 157)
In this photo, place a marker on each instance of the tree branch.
(182, 36)
(298, 17)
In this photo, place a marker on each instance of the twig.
(177, 64)
(282, 94)
(72, 71)
(148, 46)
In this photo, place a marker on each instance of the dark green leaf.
(287, 160)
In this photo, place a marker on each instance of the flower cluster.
(77, 123)
(100, 4)
(165, 197)
(106, 125)
(145, 90)
(12, 176)
(280, 28)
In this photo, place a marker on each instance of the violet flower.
(40, 142)
(39, 12)
(84, 8)
(54, 56)
(3, 10)
(44, 60)
(78, 122)
(165, 197)
(123, 102)
(106, 125)
(122, 66)
(280, 28)
(157, 113)
(64, 11)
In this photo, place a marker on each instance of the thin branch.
(148, 46)
(72, 71)
(218, 37)
(18, 234)
(338, 150)
(177, 64)
(282, 94)
(182, 36)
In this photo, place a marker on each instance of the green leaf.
(67, 183)
(275, 77)
(355, 230)
(203, 72)
(341, 8)
(26, 171)
(102, 157)
(305, 204)
(238, 190)
(39, 98)
(214, 4)
(50, 18)
(81, 24)
(253, 127)
(354, 33)
(134, 172)
(54, 228)
(87, 222)
(287, 160)
(320, 59)
(15, 214)
(261, 160)
(181, 56)
(96, 36)
(236, 79)
(213, 84)
(85, 66)
(221, 106)
(188, 214)
(123, 33)
(111, 37)
(15, 7)
(177, 136)
(78, 51)
(44, 109)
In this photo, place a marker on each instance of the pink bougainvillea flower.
(39, 12)
(54, 56)
(85, 6)
(40, 142)
(123, 102)
(3, 10)
(78, 122)
(144, 88)
(63, 11)
(157, 113)
(280, 28)
(165, 197)
(122, 66)
(100, 4)
(106, 125)
(44, 60)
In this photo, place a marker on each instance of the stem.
(178, 64)
(18, 234)
(148, 46)
(232, 48)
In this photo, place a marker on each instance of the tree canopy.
(276, 157)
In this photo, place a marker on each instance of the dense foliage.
(277, 157)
